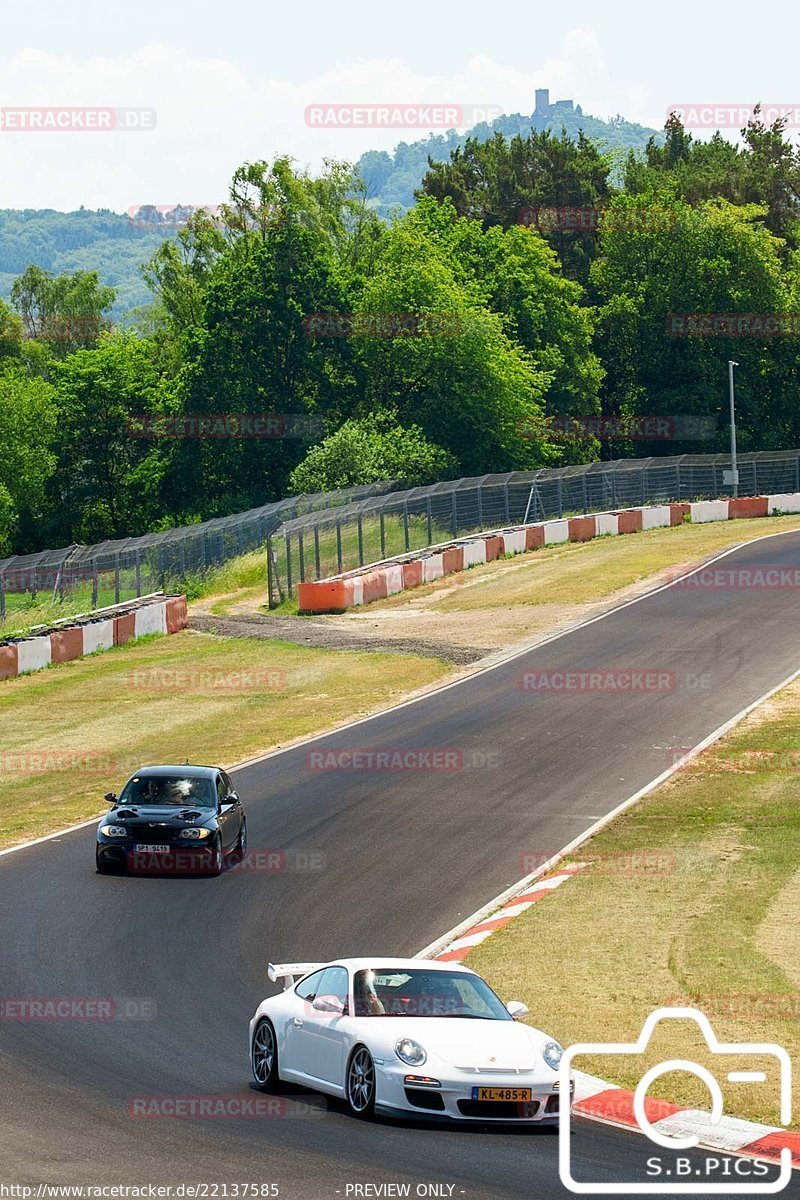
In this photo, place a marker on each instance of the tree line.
(544, 302)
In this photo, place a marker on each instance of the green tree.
(371, 450)
(27, 428)
(63, 311)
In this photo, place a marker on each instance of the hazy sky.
(231, 82)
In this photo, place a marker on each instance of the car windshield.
(165, 791)
(417, 992)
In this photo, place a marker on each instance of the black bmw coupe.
(173, 820)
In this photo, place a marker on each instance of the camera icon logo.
(663, 1139)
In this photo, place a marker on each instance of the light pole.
(734, 468)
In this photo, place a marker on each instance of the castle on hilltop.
(546, 111)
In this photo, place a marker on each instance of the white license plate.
(143, 849)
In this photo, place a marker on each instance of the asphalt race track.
(400, 858)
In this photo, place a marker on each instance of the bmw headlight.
(410, 1052)
(114, 830)
(194, 835)
(551, 1054)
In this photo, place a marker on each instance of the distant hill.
(116, 244)
(392, 178)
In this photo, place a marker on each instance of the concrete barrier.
(151, 618)
(99, 635)
(474, 552)
(9, 661)
(784, 502)
(452, 559)
(658, 516)
(747, 506)
(432, 568)
(709, 510)
(556, 531)
(514, 541)
(66, 644)
(606, 523)
(33, 654)
(394, 579)
(494, 547)
(630, 520)
(581, 529)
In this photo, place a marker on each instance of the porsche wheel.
(360, 1083)
(264, 1056)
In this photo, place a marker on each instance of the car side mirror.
(517, 1009)
(329, 1004)
(233, 797)
(110, 797)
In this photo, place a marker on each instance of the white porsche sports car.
(405, 1036)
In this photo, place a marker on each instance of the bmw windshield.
(166, 791)
(425, 993)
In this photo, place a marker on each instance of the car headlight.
(551, 1054)
(195, 835)
(114, 830)
(410, 1052)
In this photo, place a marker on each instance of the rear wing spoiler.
(288, 972)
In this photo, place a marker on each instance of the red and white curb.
(456, 951)
(597, 1100)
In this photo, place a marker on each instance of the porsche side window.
(307, 990)
(334, 985)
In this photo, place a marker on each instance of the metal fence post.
(2, 595)
(116, 578)
(138, 572)
(269, 571)
(360, 523)
(95, 588)
(301, 553)
(558, 493)
(339, 545)
(288, 547)
(383, 534)
(405, 525)
(505, 500)
(455, 515)
(430, 523)
(316, 552)
(480, 506)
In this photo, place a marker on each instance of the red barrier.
(412, 573)
(747, 506)
(453, 559)
(677, 512)
(66, 644)
(8, 661)
(495, 546)
(534, 537)
(177, 615)
(124, 628)
(582, 529)
(328, 595)
(630, 520)
(376, 586)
